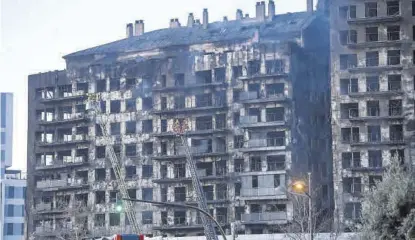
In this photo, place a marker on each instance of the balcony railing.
(269, 142)
(244, 96)
(261, 192)
(395, 111)
(264, 217)
(248, 119)
(66, 118)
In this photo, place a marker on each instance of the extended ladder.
(128, 205)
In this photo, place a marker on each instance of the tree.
(388, 210)
(298, 227)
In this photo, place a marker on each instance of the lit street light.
(299, 187)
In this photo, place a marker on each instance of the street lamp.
(299, 187)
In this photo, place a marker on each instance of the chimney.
(197, 22)
(271, 9)
(190, 20)
(310, 6)
(205, 18)
(239, 14)
(261, 10)
(139, 27)
(129, 30)
(257, 9)
(247, 15)
(174, 23)
(225, 18)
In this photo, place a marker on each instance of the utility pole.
(310, 208)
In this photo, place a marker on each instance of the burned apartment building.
(372, 94)
(253, 93)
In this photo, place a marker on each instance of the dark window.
(238, 189)
(99, 197)
(147, 171)
(277, 180)
(115, 129)
(371, 9)
(179, 79)
(372, 59)
(394, 33)
(9, 228)
(348, 37)
(394, 57)
(130, 105)
(392, 8)
(372, 34)
(114, 85)
(352, 210)
(99, 220)
(254, 181)
(413, 8)
(147, 194)
(348, 61)
(130, 172)
(100, 152)
(375, 158)
(349, 86)
(101, 85)
(10, 210)
(372, 83)
(130, 127)
(147, 126)
(394, 82)
(10, 192)
(114, 219)
(115, 106)
(130, 150)
(147, 217)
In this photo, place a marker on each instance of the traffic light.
(119, 207)
(129, 237)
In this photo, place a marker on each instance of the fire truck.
(122, 237)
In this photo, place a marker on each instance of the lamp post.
(182, 206)
(300, 187)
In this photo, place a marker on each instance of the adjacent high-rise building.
(12, 182)
(6, 131)
(372, 93)
(251, 96)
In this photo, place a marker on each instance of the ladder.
(197, 186)
(128, 205)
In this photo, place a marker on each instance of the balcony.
(67, 141)
(269, 144)
(71, 118)
(211, 105)
(206, 128)
(377, 44)
(72, 162)
(254, 97)
(375, 20)
(66, 96)
(62, 184)
(264, 218)
(371, 67)
(262, 193)
(269, 74)
(46, 208)
(189, 85)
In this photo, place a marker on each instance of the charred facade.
(253, 92)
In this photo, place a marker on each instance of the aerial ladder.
(179, 129)
(94, 105)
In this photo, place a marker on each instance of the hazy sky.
(35, 34)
